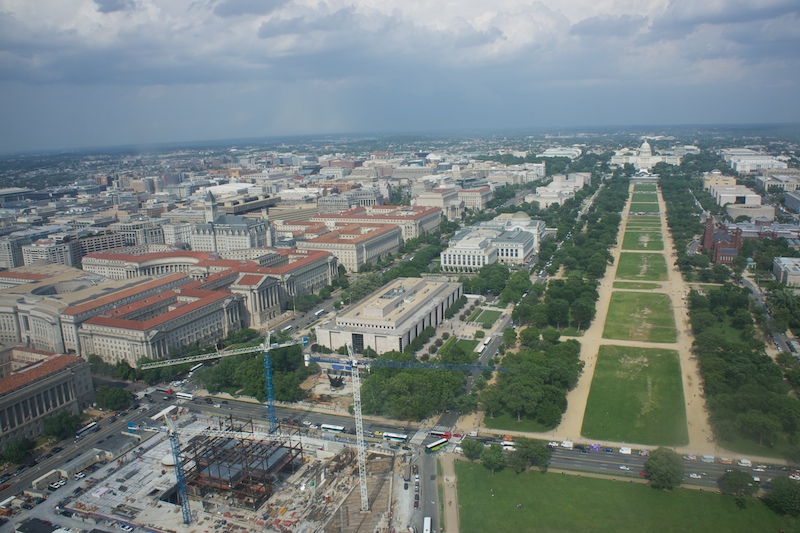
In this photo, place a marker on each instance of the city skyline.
(84, 73)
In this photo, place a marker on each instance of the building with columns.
(58, 383)
(643, 157)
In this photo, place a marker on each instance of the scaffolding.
(244, 470)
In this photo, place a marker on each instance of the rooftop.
(36, 372)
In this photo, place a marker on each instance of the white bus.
(287, 328)
(184, 396)
(435, 446)
(195, 368)
(331, 428)
(395, 437)
(487, 341)
(319, 313)
(426, 525)
(480, 348)
(85, 430)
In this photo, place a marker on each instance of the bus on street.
(85, 430)
(319, 313)
(426, 525)
(435, 446)
(439, 434)
(331, 428)
(395, 437)
(184, 396)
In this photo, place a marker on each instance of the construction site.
(237, 478)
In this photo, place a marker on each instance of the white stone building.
(392, 317)
(643, 157)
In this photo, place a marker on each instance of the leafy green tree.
(61, 425)
(492, 457)
(529, 337)
(550, 335)
(17, 451)
(738, 483)
(785, 496)
(534, 453)
(472, 449)
(583, 312)
(558, 312)
(113, 398)
(666, 468)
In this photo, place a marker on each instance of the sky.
(86, 73)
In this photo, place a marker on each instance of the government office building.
(391, 317)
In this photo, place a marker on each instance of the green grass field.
(467, 345)
(632, 285)
(644, 208)
(487, 317)
(509, 422)
(644, 187)
(642, 267)
(642, 240)
(640, 316)
(553, 503)
(636, 396)
(646, 197)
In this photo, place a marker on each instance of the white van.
(745, 463)
(567, 444)
(625, 451)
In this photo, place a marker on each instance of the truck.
(745, 463)
(567, 444)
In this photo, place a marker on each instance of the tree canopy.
(61, 425)
(665, 467)
(113, 398)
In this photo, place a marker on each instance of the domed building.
(642, 157)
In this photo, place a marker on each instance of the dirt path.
(448, 462)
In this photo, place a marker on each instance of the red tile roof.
(250, 279)
(36, 372)
(204, 298)
(119, 295)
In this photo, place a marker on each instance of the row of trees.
(412, 393)
(529, 453)
(747, 396)
(570, 302)
(587, 251)
(535, 383)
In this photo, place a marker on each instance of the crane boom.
(264, 348)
